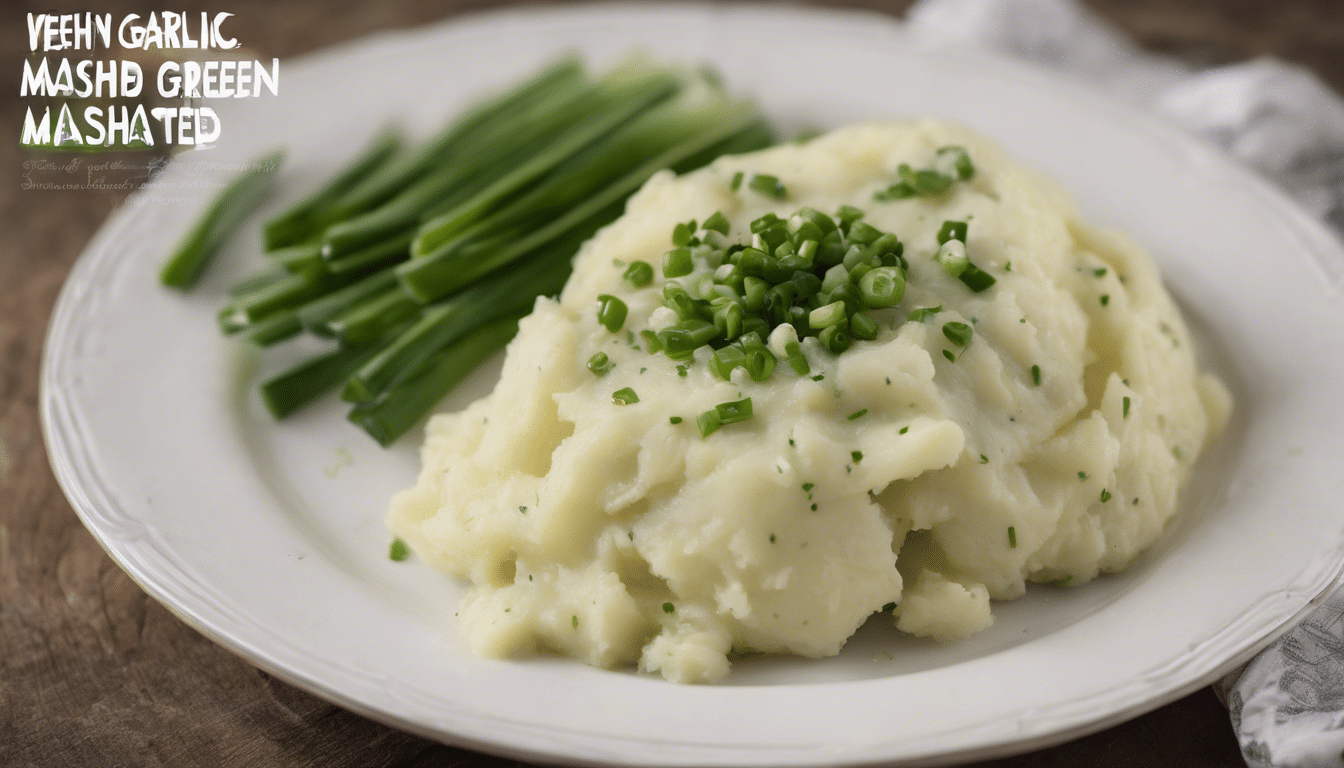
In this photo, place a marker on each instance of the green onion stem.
(405, 404)
(220, 219)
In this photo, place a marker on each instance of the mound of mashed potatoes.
(892, 479)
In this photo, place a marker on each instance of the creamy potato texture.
(890, 480)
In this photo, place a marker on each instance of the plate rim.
(63, 458)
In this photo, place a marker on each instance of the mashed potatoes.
(908, 475)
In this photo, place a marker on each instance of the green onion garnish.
(768, 185)
(708, 422)
(611, 312)
(638, 274)
(952, 230)
(398, 551)
(958, 333)
(599, 364)
(1012, 537)
(677, 263)
(923, 314)
(734, 411)
(624, 396)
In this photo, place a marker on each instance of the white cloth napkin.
(1287, 704)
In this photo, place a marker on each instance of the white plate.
(268, 537)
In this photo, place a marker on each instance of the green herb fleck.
(858, 414)
(904, 430)
(668, 608)
(523, 510)
(1082, 475)
(1105, 299)
(958, 333)
(1036, 375)
(923, 314)
(984, 459)
(638, 274)
(772, 538)
(674, 419)
(398, 551)
(857, 456)
(624, 396)
(574, 621)
(769, 186)
(1099, 272)
(599, 364)
(1105, 495)
(1124, 407)
(1012, 537)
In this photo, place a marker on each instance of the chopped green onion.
(651, 341)
(717, 223)
(1105, 495)
(677, 263)
(708, 422)
(768, 185)
(683, 233)
(857, 456)
(1036, 376)
(857, 414)
(952, 230)
(834, 339)
(674, 419)
(976, 279)
(668, 608)
(924, 314)
(734, 411)
(1124, 411)
(638, 274)
(955, 161)
(1012, 537)
(398, 551)
(882, 287)
(624, 396)
(952, 256)
(827, 316)
(958, 333)
(924, 182)
(600, 364)
(611, 312)
(863, 327)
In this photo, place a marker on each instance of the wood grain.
(94, 673)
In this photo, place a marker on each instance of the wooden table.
(94, 673)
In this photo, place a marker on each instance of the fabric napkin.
(1287, 704)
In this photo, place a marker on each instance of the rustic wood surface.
(95, 673)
